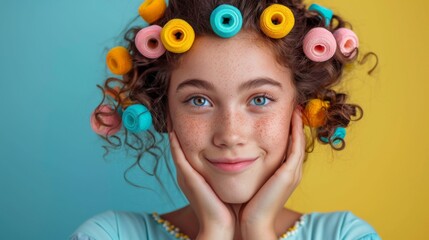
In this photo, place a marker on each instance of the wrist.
(257, 231)
(257, 235)
(214, 235)
(215, 232)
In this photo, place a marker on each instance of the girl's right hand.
(216, 219)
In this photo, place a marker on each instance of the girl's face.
(231, 105)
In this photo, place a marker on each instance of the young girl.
(232, 83)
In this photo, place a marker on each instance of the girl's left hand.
(258, 216)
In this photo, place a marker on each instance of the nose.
(230, 130)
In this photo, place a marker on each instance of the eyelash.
(264, 95)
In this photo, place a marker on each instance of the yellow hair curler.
(276, 21)
(152, 10)
(315, 113)
(177, 36)
(119, 60)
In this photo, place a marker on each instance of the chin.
(235, 195)
(232, 198)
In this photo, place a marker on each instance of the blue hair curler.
(137, 118)
(325, 12)
(340, 133)
(226, 20)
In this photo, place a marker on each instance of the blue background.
(52, 172)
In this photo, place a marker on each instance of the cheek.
(190, 132)
(273, 131)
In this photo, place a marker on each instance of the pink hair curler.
(347, 42)
(148, 42)
(319, 44)
(112, 118)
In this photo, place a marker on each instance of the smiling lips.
(232, 165)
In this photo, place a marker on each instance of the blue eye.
(260, 100)
(198, 101)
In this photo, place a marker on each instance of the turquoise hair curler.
(137, 118)
(325, 12)
(340, 133)
(226, 20)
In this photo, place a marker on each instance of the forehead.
(229, 62)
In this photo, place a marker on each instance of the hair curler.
(226, 20)
(109, 117)
(347, 41)
(152, 10)
(177, 36)
(119, 60)
(148, 42)
(325, 12)
(137, 118)
(319, 44)
(276, 21)
(339, 134)
(315, 113)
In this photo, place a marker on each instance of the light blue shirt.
(111, 225)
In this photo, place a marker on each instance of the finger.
(176, 150)
(178, 155)
(186, 175)
(201, 196)
(192, 180)
(280, 186)
(298, 151)
(287, 177)
(297, 145)
(289, 142)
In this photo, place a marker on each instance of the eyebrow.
(258, 82)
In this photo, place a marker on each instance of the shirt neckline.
(175, 231)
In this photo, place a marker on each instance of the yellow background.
(382, 176)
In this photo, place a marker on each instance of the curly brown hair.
(148, 81)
